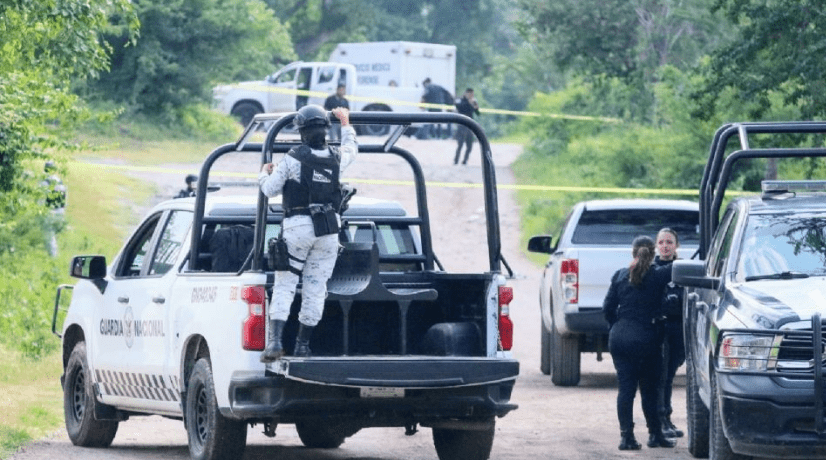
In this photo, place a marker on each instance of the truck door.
(281, 98)
(302, 84)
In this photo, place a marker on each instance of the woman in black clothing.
(673, 346)
(632, 309)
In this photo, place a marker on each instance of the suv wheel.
(211, 435)
(565, 363)
(79, 405)
(463, 444)
(719, 446)
(696, 415)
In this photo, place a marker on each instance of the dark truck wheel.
(79, 405)
(244, 111)
(696, 415)
(719, 447)
(463, 444)
(320, 435)
(375, 130)
(545, 351)
(564, 359)
(211, 435)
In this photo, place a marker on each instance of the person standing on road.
(435, 94)
(336, 100)
(632, 309)
(191, 180)
(308, 177)
(467, 106)
(673, 346)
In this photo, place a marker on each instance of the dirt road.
(551, 422)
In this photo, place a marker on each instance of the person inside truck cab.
(632, 310)
(673, 345)
(308, 179)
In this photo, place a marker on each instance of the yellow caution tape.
(534, 188)
(425, 105)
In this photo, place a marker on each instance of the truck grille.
(796, 353)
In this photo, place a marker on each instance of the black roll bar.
(275, 123)
(716, 174)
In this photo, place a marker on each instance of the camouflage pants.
(319, 254)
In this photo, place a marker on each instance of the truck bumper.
(586, 321)
(767, 416)
(376, 392)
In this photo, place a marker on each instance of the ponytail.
(643, 252)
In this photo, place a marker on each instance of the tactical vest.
(318, 182)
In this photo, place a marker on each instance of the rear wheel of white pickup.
(452, 444)
(545, 350)
(565, 359)
(211, 435)
(319, 435)
(79, 405)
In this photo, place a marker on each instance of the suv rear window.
(621, 226)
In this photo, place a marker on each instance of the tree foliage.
(187, 46)
(779, 49)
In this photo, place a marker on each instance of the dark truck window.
(620, 227)
(779, 243)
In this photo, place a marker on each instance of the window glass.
(326, 74)
(286, 76)
(342, 77)
(169, 245)
(137, 248)
(778, 243)
(721, 244)
(303, 81)
(620, 227)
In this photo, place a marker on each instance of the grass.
(32, 402)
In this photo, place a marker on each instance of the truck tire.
(244, 111)
(463, 444)
(375, 130)
(319, 435)
(719, 447)
(696, 415)
(545, 351)
(79, 405)
(564, 359)
(211, 435)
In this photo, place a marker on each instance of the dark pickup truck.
(754, 303)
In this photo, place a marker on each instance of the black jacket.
(672, 297)
(638, 303)
(464, 107)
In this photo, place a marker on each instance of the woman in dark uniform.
(632, 309)
(673, 345)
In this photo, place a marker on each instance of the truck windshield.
(620, 226)
(783, 243)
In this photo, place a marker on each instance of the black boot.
(302, 341)
(274, 349)
(669, 430)
(628, 441)
(657, 439)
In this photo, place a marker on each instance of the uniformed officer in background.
(308, 177)
(191, 180)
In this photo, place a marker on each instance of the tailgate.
(596, 266)
(402, 372)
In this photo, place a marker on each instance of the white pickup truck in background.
(378, 76)
(594, 243)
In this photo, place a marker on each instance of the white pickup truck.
(174, 325)
(378, 76)
(595, 242)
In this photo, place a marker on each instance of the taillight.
(252, 331)
(505, 323)
(569, 279)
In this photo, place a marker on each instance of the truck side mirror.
(692, 273)
(541, 244)
(88, 267)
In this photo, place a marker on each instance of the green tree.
(778, 51)
(186, 47)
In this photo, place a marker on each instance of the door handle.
(123, 299)
(158, 299)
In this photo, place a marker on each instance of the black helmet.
(311, 115)
(190, 178)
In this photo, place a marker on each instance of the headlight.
(746, 352)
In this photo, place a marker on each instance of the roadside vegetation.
(126, 81)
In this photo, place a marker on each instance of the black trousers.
(463, 136)
(636, 352)
(673, 358)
